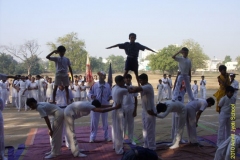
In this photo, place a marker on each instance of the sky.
(214, 24)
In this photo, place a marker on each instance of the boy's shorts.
(131, 64)
(61, 79)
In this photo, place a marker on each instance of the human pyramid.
(124, 108)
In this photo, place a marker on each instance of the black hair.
(230, 89)
(160, 80)
(38, 76)
(132, 34)
(119, 78)
(128, 76)
(96, 103)
(210, 100)
(61, 49)
(222, 67)
(185, 49)
(30, 100)
(161, 107)
(202, 76)
(143, 76)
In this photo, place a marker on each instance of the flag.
(110, 81)
(89, 77)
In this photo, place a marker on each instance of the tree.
(163, 60)
(238, 61)
(227, 59)
(118, 63)
(75, 51)
(97, 64)
(7, 64)
(28, 52)
(196, 54)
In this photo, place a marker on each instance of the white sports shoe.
(81, 155)
(174, 146)
(50, 156)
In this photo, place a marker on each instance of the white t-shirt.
(198, 104)
(129, 99)
(184, 64)
(172, 106)
(164, 82)
(22, 85)
(225, 104)
(203, 83)
(117, 94)
(148, 98)
(79, 109)
(160, 88)
(46, 109)
(61, 64)
(195, 88)
(235, 85)
(61, 97)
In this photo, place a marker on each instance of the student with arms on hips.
(224, 82)
(100, 91)
(172, 106)
(77, 110)
(194, 111)
(195, 89)
(185, 66)
(149, 121)
(203, 83)
(129, 107)
(55, 129)
(62, 65)
(224, 128)
(132, 49)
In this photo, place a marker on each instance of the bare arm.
(49, 125)
(103, 110)
(135, 89)
(176, 54)
(150, 49)
(49, 55)
(112, 46)
(70, 69)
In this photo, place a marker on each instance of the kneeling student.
(194, 111)
(77, 110)
(55, 129)
(172, 106)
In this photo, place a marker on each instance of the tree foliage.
(227, 59)
(97, 64)
(196, 54)
(163, 59)
(238, 61)
(75, 51)
(7, 64)
(118, 63)
(28, 52)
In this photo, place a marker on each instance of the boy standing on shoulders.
(149, 121)
(185, 66)
(132, 49)
(62, 65)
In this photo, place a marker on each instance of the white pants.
(195, 95)
(21, 100)
(224, 150)
(178, 123)
(165, 91)
(128, 124)
(223, 128)
(57, 127)
(70, 131)
(41, 96)
(160, 96)
(75, 99)
(191, 125)
(94, 124)
(33, 94)
(2, 147)
(117, 130)
(15, 101)
(149, 125)
(169, 92)
(203, 92)
(184, 78)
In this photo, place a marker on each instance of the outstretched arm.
(49, 125)
(49, 55)
(112, 46)
(150, 49)
(103, 110)
(135, 89)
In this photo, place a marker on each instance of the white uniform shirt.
(61, 97)
(184, 64)
(76, 91)
(129, 99)
(198, 104)
(117, 94)
(80, 108)
(203, 83)
(170, 82)
(22, 85)
(46, 109)
(61, 64)
(225, 104)
(164, 82)
(235, 85)
(160, 88)
(148, 98)
(172, 106)
(3, 86)
(32, 85)
(195, 88)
